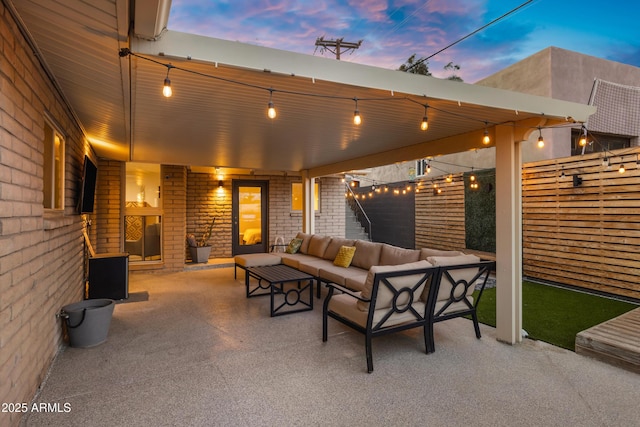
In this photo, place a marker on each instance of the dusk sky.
(393, 30)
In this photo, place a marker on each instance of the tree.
(413, 66)
(421, 66)
(453, 68)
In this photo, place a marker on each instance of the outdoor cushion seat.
(254, 260)
(393, 302)
(293, 260)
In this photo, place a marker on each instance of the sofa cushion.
(385, 297)
(344, 257)
(313, 266)
(465, 274)
(393, 255)
(367, 254)
(318, 244)
(293, 260)
(335, 245)
(334, 274)
(294, 246)
(356, 278)
(426, 253)
(306, 238)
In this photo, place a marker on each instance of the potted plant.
(200, 249)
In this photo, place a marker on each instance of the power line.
(420, 61)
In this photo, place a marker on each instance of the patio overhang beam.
(450, 145)
(216, 51)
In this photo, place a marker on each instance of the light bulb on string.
(271, 109)
(166, 88)
(540, 139)
(583, 139)
(486, 139)
(425, 120)
(621, 169)
(356, 114)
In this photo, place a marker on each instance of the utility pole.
(337, 46)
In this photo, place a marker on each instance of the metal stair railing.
(358, 210)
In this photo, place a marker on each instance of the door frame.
(236, 247)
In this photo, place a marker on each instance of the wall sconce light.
(220, 184)
(577, 181)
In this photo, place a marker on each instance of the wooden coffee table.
(287, 287)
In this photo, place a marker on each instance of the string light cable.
(124, 52)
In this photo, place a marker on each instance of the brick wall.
(108, 224)
(206, 201)
(174, 196)
(41, 255)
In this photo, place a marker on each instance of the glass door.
(250, 217)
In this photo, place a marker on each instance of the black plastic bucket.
(88, 321)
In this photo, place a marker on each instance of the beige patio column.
(308, 196)
(508, 236)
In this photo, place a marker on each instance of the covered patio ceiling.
(217, 114)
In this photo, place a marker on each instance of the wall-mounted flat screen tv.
(88, 187)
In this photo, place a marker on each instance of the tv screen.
(88, 188)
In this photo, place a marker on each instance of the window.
(597, 142)
(296, 197)
(143, 213)
(53, 168)
(422, 168)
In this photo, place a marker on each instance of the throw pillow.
(294, 246)
(344, 257)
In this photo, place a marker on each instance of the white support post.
(508, 236)
(308, 197)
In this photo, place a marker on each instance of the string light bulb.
(166, 88)
(486, 139)
(357, 120)
(583, 139)
(621, 169)
(540, 139)
(271, 109)
(425, 120)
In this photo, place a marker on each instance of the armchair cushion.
(385, 297)
(466, 274)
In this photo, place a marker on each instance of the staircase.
(353, 228)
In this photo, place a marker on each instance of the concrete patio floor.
(189, 349)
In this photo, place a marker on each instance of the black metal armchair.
(393, 300)
(454, 298)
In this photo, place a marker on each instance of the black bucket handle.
(65, 316)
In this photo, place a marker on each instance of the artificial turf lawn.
(555, 315)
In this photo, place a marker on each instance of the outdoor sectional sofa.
(386, 288)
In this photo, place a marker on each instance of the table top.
(279, 273)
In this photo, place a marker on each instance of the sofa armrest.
(348, 291)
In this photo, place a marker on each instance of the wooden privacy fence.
(584, 231)
(440, 216)
(585, 234)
